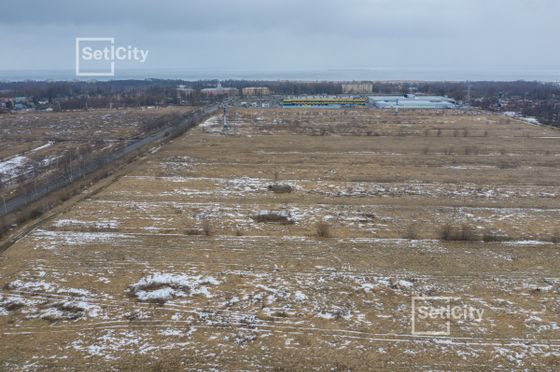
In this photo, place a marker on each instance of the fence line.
(20, 201)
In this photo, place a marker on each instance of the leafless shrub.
(132, 315)
(281, 314)
(465, 132)
(495, 236)
(457, 233)
(449, 150)
(35, 213)
(467, 233)
(273, 218)
(555, 238)
(323, 229)
(508, 164)
(369, 216)
(280, 189)
(66, 311)
(425, 150)
(207, 228)
(439, 132)
(411, 232)
(446, 232)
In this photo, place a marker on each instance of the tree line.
(529, 98)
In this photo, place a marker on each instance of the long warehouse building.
(325, 102)
(410, 101)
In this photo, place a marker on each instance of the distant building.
(255, 91)
(21, 99)
(219, 91)
(324, 102)
(6, 104)
(410, 101)
(183, 90)
(357, 88)
(183, 93)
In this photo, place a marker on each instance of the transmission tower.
(226, 126)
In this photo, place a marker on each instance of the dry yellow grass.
(277, 295)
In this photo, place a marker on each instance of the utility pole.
(226, 127)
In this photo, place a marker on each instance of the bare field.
(298, 241)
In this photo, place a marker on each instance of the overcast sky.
(287, 34)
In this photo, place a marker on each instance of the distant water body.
(547, 74)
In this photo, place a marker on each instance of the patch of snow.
(12, 167)
(66, 304)
(99, 224)
(300, 296)
(159, 287)
(46, 145)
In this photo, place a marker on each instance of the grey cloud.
(288, 34)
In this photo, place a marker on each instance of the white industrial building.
(410, 101)
(357, 88)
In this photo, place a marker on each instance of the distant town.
(537, 100)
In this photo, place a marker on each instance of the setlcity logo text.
(98, 56)
(434, 315)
